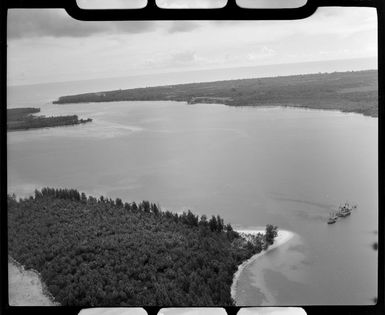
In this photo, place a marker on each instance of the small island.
(97, 251)
(23, 119)
(353, 91)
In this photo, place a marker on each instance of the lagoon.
(285, 166)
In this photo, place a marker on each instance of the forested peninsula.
(23, 119)
(98, 251)
(355, 91)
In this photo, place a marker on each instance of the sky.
(47, 45)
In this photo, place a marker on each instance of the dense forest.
(98, 251)
(22, 119)
(345, 91)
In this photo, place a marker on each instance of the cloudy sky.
(49, 46)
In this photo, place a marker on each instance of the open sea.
(253, 166)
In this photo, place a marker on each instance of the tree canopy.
(98, 251)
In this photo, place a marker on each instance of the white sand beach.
(25, 287)
(282, 237)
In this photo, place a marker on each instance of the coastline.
(259, 92)
(283, 237)
(26, 287)
(283, 106)
(304, 107)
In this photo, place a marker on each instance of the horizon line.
(213, 69)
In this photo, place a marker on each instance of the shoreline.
(283, 237)
(290, 106)
(26, 287)
(351, 92)
(278, 106)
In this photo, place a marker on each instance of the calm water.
(253, 166)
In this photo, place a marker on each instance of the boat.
(332, 218)
(345, 210)
(345, 213)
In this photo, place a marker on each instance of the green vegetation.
(344, 91)
(18, 114)
(270, 235)
(101, 251)
(22, 119)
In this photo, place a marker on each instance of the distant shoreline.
(21, 119)
(353, 91)
(283, 237)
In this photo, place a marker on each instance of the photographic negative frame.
(152, 13)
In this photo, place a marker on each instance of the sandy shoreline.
(282, 237)
(25, 287)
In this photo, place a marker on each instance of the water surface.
(253, 166)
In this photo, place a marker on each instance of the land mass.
(355, 91)
(98, 251)
(23, 119)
